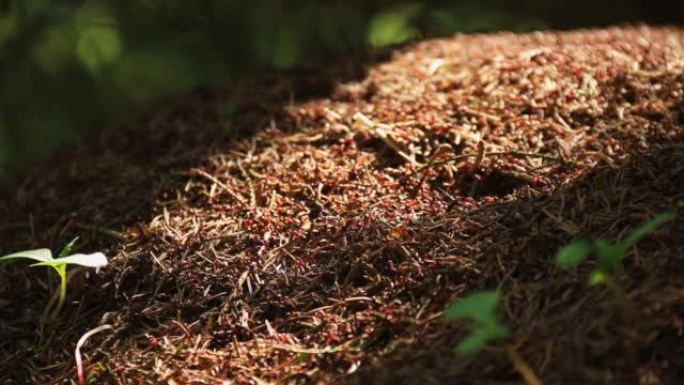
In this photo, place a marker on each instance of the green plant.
(481, 309)
(609, 256)
(59, 264)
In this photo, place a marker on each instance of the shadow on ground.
(569, 332)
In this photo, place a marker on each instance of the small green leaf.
(647, 228)
(394, 25)
(609, 256)
(472, 343)
(480, 337)
(54, 263)
(573, 254)
(597, 277)
(42, 255)
(479, 307)
(88, 260)
(97, 46)
(499, 332)
(68, 248)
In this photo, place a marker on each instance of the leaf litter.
(316, 233)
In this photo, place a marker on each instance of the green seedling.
(609, 256)
(481, 309)
(59, 264)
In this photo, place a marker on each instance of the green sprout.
(44, 258)
(609, 256)
(481, 309)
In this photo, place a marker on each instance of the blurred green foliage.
(73, 65)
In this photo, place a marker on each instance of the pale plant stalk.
(80, 372)
(521, 366)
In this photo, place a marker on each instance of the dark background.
(70, 66)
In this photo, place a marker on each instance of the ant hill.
(312, 226)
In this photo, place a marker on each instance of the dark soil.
(310, 227)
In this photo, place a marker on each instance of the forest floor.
(311, 226)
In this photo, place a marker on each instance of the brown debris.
(316, 235)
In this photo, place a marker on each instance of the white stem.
(77, 353)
